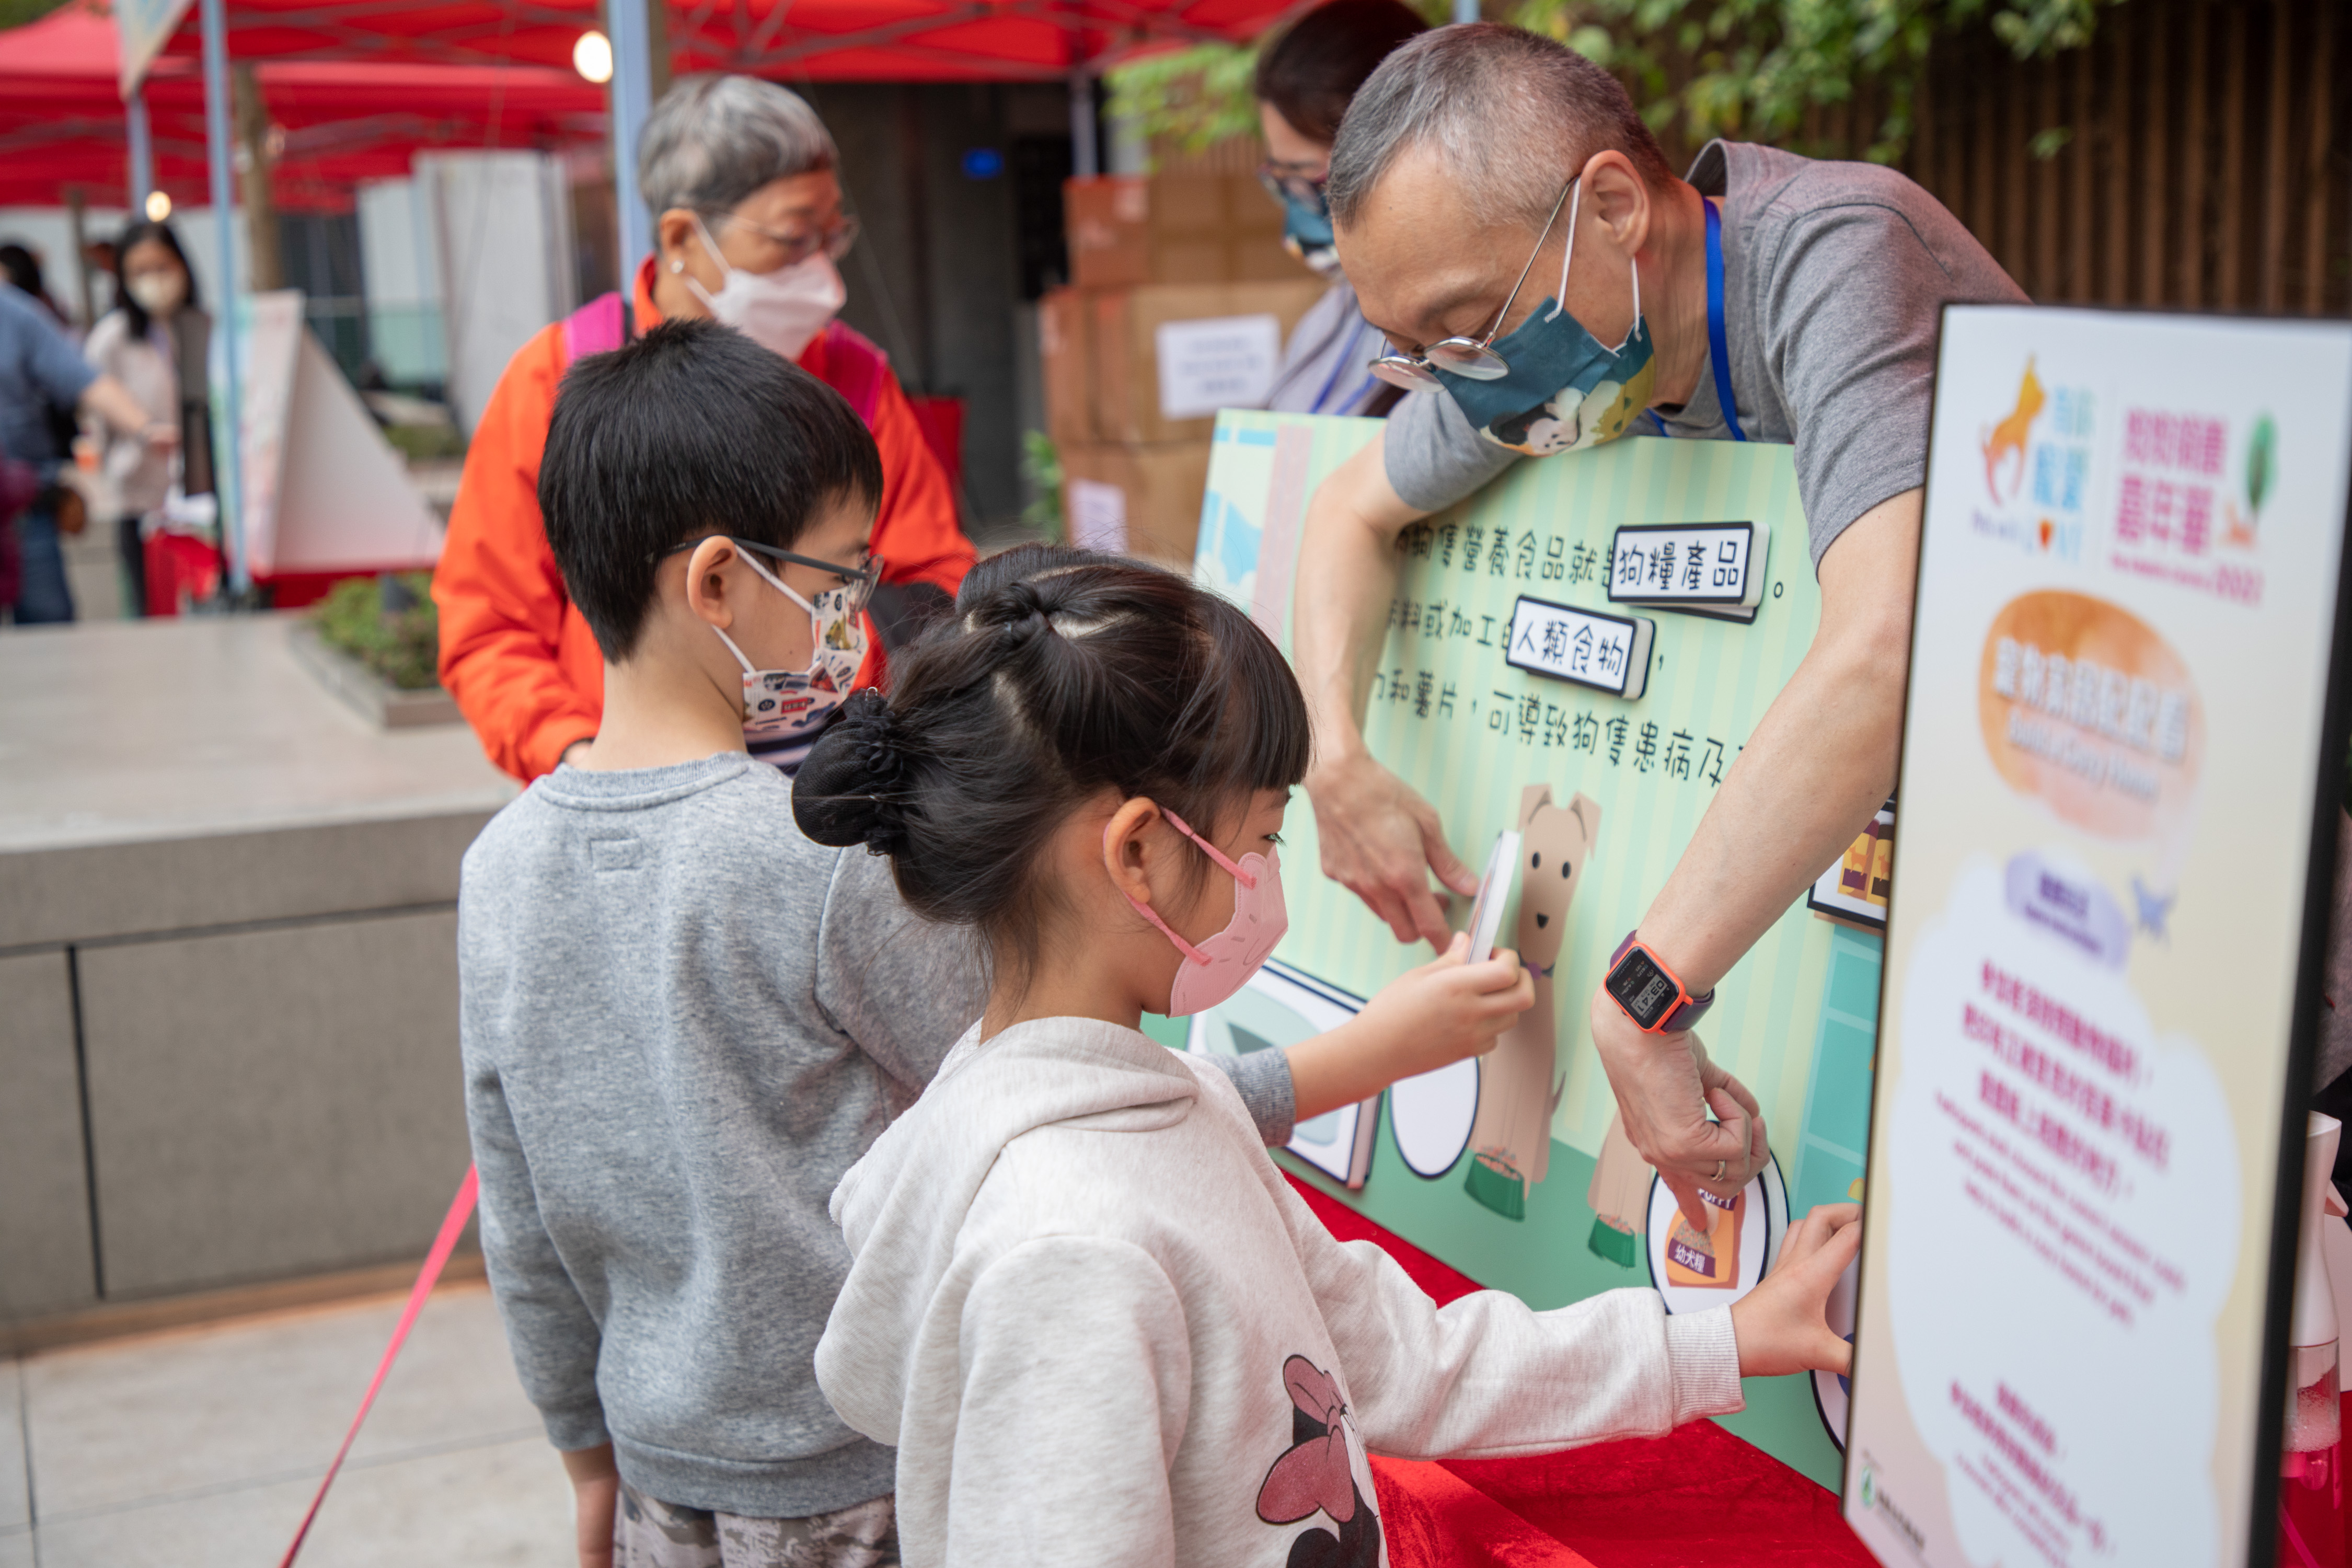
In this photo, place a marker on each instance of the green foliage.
(388, 624)
(1751, 69)
(17, 13)
(1041, 466)
(1187, 99)
(1191, 98)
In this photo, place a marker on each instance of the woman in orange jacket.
(741, 173)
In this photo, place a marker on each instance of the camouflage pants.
(651, 1534)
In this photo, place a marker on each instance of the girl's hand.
(1425, 1019)
(1448, 1008)
(1782, 1325)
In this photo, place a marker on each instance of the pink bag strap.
(598, 327)
(855, 368)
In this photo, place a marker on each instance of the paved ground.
(200, 1448)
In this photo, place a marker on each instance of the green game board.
(1795, 1020)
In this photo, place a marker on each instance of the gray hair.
(713, 140)
(1510, 114)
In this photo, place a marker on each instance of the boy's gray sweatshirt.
(682, 1022)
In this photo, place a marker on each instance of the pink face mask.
(1222, 964)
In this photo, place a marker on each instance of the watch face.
(1643, 989)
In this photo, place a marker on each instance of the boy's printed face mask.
(786, 705)
(1564, 390)
(1222, 964)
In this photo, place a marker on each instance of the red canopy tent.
(61, 116)
(814, 40)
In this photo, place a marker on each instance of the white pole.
(1086, 160)
(632, 103)
(228, 444)
(143, 151)
(1465, 10)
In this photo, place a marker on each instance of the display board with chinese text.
(1606, 790)
(2112, 766)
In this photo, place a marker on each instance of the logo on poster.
(2037, 462)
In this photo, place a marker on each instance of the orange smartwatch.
(1651, 994)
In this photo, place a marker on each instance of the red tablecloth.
(1696, 1498)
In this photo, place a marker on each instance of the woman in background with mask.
(740, 177)
(1305, 81)
(154, 342)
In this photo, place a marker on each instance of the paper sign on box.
(1223, 361)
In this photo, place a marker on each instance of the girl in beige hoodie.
(1089, 1311)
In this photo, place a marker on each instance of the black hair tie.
(852, 789)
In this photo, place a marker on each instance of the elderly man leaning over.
(741, 178)
(1483, 178)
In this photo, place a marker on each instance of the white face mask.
(781, 311)
(158, 293)
(784, 707)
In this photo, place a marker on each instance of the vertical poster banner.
(2116, 737)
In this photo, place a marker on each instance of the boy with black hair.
(682, 1021)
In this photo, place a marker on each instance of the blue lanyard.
(1718, 349)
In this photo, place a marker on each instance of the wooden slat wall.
(2210, 165)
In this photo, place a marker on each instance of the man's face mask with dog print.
(1563, 390)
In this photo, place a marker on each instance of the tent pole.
(1086, 161)
(632, 103)
(143, 151)
(1465, 10)
(229, 445)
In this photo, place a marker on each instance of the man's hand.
(1782, 1325)
(1380, 840)
(1425, 1019)
(595, 1490)
(1665, 1086)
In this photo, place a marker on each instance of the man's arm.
(1379, 838)
(1820, 764)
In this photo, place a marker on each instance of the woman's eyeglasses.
(859, 580)
(1474, 358)
(1285, 183)
(799, 246)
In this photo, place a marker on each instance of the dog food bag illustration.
(1709, 1262)
(1620, 1197)
(1519, 1081)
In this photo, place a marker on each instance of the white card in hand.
(1494, 892)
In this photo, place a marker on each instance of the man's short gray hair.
(713, 140)
(1509, 113)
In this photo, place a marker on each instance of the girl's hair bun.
(852, 787)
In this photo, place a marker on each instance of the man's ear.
(707, 579)
(1130, 848)
(1614, 189)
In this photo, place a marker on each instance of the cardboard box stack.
(1180, 300)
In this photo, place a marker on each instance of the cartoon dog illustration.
(2007, 439)
(1519, 1081)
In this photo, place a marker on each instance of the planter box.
(381, 703)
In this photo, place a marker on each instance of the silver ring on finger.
(1721, 1167)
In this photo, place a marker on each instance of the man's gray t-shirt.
(681, 1022)
(1835, 278)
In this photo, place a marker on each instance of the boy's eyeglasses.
(859, 580)
(1473, 359)
(798, 248)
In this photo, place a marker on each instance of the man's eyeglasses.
(859, 580)
(1474, 358)
(798, 248)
